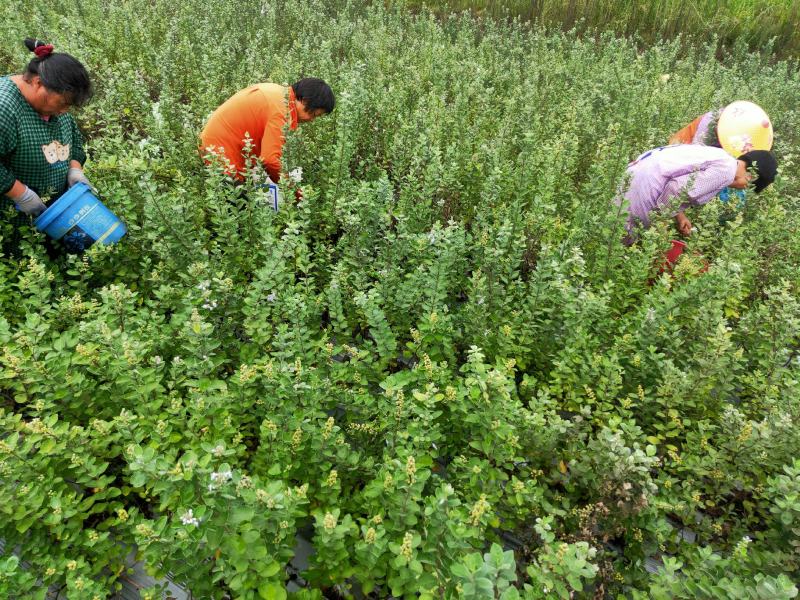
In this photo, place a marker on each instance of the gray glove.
(30, 203)
(75, 175)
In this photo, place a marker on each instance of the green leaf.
(575, 582)
(47, 446)
(272, 591)
(269, 569)
(242, 514)
(511, 593)
(459, 570)
(23, 526)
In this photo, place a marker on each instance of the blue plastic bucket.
(79, 219)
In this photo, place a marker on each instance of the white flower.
(145, 143)
(210, 305)
(296, 174)
(271, 297)
(156, 112)
(221, 476)
(203, 286)
(665, 78)
(188, 518)
(218, 450)
(157, 360)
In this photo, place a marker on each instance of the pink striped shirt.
(663, 174)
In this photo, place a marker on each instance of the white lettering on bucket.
(81, 214)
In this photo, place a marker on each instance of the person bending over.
(694, 172)
(259, 114)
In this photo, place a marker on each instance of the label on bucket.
(77, 240)
(94, 219)
(83, 212)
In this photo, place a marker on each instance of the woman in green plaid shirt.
(41, 149)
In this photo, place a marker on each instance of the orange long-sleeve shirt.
(697, 132)
(260, 112)
(686, 135)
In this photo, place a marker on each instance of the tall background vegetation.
(762, 26)
(442, 367)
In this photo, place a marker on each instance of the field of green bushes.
(442, 367)
(767, 25)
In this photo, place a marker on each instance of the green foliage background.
(442, 355)
(765, 25)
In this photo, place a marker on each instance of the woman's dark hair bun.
(32, 43)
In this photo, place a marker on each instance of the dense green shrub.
(769, 25)
(442, 355)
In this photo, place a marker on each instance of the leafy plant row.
(444, 347)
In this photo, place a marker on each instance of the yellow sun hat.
(744, 126)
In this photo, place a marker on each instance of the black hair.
(765, 165)
(60, 73)
(314, 93)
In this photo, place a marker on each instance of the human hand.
(30, 203)
(76, 175)
(684, 225)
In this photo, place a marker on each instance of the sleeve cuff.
(6, 185)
